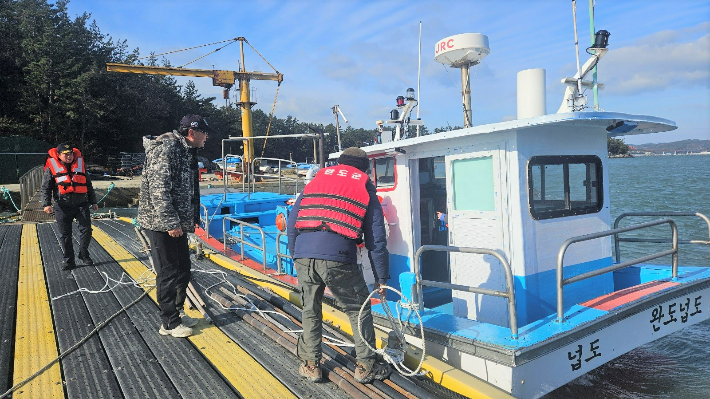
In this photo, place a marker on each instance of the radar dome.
(463, 49)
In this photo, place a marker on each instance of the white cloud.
(657, 62)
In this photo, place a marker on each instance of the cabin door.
(476, 186)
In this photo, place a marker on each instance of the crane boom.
(222, 78)
(219, 77)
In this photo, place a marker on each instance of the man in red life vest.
(66, 181)
(335, 211)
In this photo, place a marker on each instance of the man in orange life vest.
(66, 181)
(336, 210)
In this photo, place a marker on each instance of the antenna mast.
(595, 86)
(463, 51)
(419, 74)
(336, 110)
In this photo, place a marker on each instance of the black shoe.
(68, 266)
(86, 259)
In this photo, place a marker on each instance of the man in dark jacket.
(66, 182)
(336, 210)
(169, 208)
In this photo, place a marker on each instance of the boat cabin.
(520, 188)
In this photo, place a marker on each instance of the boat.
(517, 288)
(522, 286)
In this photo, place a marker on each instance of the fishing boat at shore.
(520, 284)
(506, 272)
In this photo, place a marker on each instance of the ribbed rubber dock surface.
(9, 258)
(126, 357)
(282, 364)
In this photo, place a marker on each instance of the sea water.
(676, 366)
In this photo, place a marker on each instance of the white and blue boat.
(520, 283)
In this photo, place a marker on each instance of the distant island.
(694, 146)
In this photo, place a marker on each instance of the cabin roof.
(604, 120)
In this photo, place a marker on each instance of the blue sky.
(362, 54)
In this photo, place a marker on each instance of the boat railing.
(204, 218)
(225, 172)
(509, 293)
(561, 281)
(240, 240)
(278, 175)
(618, 239)
(279, 254)
(30, 183)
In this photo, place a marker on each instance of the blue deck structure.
(253, 209)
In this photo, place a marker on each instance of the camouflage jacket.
(170, 190)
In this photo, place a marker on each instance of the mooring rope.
(6, 195)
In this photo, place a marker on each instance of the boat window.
(560, 186)
(473, 185)
(384, 172)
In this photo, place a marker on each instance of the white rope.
(397, 328)
(140, 283)
(255, 309)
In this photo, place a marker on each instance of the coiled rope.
(397, 328)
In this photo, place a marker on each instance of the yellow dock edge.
(225, 355)
(125, 219)
(438, 371)
(35, 343)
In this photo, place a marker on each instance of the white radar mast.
(462, 51)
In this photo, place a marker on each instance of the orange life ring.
(281, 222)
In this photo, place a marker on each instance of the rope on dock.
(75, 346)
(6, 195)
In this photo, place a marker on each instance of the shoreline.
(126, 191)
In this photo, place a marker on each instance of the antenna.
(595, 87)
(336, 111)
(576, 45)
(419, 74)
(573, 99)
(462, 51)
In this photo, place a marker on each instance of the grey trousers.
(347, 284)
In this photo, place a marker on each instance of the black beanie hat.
(355, 157)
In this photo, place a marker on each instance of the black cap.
(64, 148)
(195, 122)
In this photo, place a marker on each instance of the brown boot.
(311, 371)
(378, 371)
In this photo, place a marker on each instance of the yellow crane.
(222, 78)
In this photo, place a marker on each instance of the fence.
(16, 164)
(30, 183)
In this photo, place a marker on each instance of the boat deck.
(68, 340)
(654, 287)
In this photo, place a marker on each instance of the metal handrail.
(279, 175)
(205, 220)
(279, 255)
(510, 293)
(30, 183)
(224, 170)
(561, 281)
(241, 241)
(656, 240)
